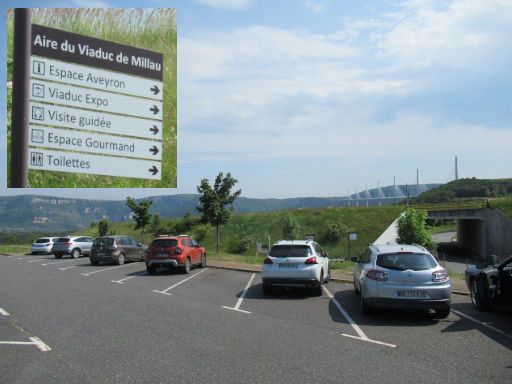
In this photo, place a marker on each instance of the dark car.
(490, 284)
(117, 249)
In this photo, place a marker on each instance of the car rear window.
(164, 243)
(403, 261)
(105, 241)
(290, 251)
(63, 240)
(41, 241)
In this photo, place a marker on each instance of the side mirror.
(354, 259)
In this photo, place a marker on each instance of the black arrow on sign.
(154, 150)
(155, 90)
(154, 129)
(154, 109)
(153, 170)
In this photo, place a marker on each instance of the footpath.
(458, 286)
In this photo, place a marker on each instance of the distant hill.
(467, 188)
(47, 213)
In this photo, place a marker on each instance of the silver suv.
(401, 276)
(75, 246)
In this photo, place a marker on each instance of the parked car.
(401, 276)
(75, 246)
(43, 245)
(295, 263)
(117, 249)
(180, 251)
(490, 284)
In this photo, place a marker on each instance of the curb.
(337, 279)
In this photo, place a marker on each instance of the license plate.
(288, 265)
(420, 294)
(100, 253)
(162, 254)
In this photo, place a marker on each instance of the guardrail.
(452, 206)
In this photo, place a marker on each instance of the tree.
(140, 213)
(291, 229)
(103, 227)
(216, 204)
(412, 228)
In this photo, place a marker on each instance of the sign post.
(20, 95)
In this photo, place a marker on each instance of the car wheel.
(328, 278)
(75, 253)
(202, 264)
(267, 289)
(318, 290)
(120, 259)
(58, 256)
(186, 267)
(356, 290)
(479, 291)
(151, 270)
(94, 262)
(442, 313)
(365, 308)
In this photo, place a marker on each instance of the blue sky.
(317, 98)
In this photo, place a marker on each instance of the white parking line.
(33, 341)
(66, 268)
(460, 314)
(106, 269)
(4, 312)
(27, 257)
(241, 298)
(59, 262)
(34, 261)
(128, 278)
(164, 292)
(361, 335)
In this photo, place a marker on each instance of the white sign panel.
(48, 69)
(94, 143)
(352, 236)
(93, 99)
(100, 165)
(68, 117)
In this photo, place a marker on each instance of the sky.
(324, 98)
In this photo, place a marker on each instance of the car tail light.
(375, 274)
(311, 260)
(268, 260)
(69, 243)
(440, 276)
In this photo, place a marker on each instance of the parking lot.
(67, 321)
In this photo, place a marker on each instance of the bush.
(291, 229)
(412, 228)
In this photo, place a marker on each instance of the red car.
(175, 252)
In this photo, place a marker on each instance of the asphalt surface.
(109, 324)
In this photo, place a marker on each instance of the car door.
(195, 251)
(85, 245)
(322, 259)
(364, 259)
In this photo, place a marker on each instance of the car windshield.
(290, 251)
(403, 261)
(165, 243)
(104, 241)
(41, 241)
(63, 240)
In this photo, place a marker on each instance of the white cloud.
(455, 34)
(235, 5)
(316, 7)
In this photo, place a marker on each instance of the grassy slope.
(154, 30)
(504, 205)
(368, 223)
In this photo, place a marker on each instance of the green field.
(150, 29)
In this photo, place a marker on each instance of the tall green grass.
(153, 29)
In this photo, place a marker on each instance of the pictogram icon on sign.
(36, 158)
